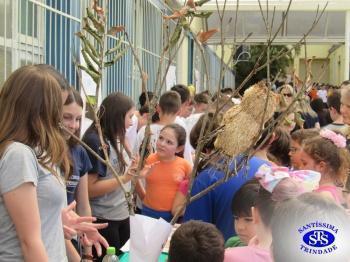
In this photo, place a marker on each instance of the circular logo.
(318, 238)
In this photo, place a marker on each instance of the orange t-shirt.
(163, 182)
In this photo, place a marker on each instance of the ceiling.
(330, 28)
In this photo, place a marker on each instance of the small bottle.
(110, 255)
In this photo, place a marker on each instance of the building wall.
(337, 66)
(335, 62)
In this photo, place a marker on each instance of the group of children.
(52, 189)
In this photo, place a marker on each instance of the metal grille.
(38, 31)
(42, 31)
(119, 76)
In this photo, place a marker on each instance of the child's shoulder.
(152, 158)
(247, 253)
(185, 164)
(182, 161)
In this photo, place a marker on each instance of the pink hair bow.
(270, 176)
(337, 139)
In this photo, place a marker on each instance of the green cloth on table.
(234, 242)
(125, 257)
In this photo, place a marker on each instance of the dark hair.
(245, 198)
(180, 134)
(317, 105)
(170, 102)
(196, 241)
(143, 99)
(280, 147)
(333, 100)
(74, 97)
(291, 216)
(266, 202)
(266, 134)
(196, 129)
(144, 110)
(345, 83)
(183, 91)
(301, 134)
(224, 102)
(227, 91)
(112, 118)
(201, 98)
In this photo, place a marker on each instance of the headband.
(270, 176)
(337, 139)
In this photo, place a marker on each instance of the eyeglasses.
(288, 95)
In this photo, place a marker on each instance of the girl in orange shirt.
(168, 171)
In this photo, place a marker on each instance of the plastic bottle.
(110, 255)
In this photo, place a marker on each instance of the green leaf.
(91, 100)
(176, 35)
(116, 48)
(97, 24)
(92, 32)
(203, 14)
(95, 76)
(87, 44)
(94, 58)
(116, 58)
(201, 2)
(88, 62)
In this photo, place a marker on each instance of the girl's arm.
(140, 190)
(72, 253)
(180, 197)
(83, 204)
(179, 201)
(22, 203)
(99, 187)
(82, 197)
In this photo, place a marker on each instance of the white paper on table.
(147, 236)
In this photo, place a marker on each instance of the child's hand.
(94, 239)
(148, 169)
(131, 172)
(135, 161)
(74, 224)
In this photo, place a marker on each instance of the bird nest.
(242, 122)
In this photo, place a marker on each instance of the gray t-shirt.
(19, 165)
(112, 206)
(52, 198)
(342, 128)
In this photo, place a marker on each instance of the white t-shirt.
(155, 131)
(191, 121)
(188, 148)
(131, 132)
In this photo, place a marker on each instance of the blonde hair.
(289, 87)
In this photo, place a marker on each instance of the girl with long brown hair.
(33, 156)
(107, 199)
